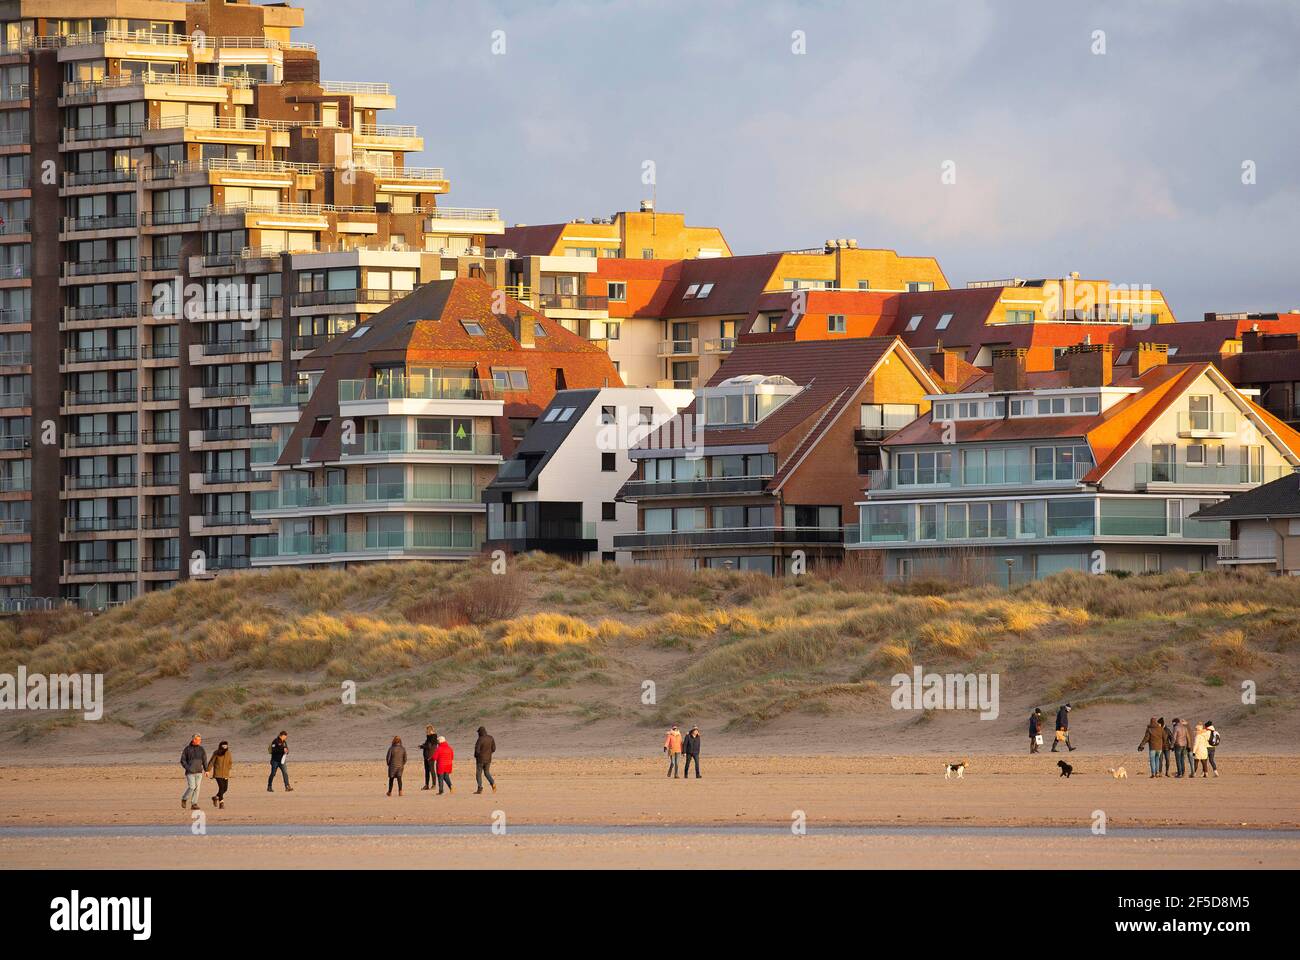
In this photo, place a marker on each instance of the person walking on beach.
(673, 747)
(396, 760)
(484, 747)
(1169, 746)
(1154, 741)
(1201, 751)
(1062, 728)
(1035, 730)
(1182, 744)
(442, 758)
(429, 745)
(219, 766)
(1212, 745)
(691, 750)
(193, 761)
(279, 750)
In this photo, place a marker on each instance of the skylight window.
(705, 290)
(1124, 357)
(551, 414)
(567, 414)
(915, 322)
(943, 322)
(472, 327)
(1171, 351)
(691, 291)
(539, 330)
(359, 332)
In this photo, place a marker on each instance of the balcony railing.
(83, 568)
(572, 301)
(99, 481)
(99, 524)
(241, 476)
(99, 354)
(732, 537)
(105, 311)
(355, 87)
(96, 178)
(90, 398)
(16, 568)
(83, 268)
(15, 316)
(83, 88)
(416, 388)
(720, 345)
(326, 298)
(679, 348)
(233, 347)
(241, 432)
(314, 498)
(1190, 474)
(279, 395)
(459, 213)
(376, 543)
(117, 221)
(472, 444)
(1206, 424)
(1248, 551)
(103, 131)
(400, 131)
(121, 438)
(520, 531)
(1012, 475)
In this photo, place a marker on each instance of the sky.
(1007, 138)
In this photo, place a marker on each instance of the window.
(691, 291)
(567, 414)
(551, 415)
(508, 378)
(920, 286)
(608, 462)
(925, 468)
(539, 330)
(864, 284)
(359, 332)
(835, 323)
(647, 253)
(609, 510)
(1196, 454)
(647, 415)
(616, 291)
(705, 290)
(915, 322)
(608, 415)
(1020, 316)
(943, 322)
(472, 327)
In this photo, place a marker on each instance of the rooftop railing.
(416, 388)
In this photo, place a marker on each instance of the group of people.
(1062, 735)
(438, 759)
(677, 746)
(1184, 743)
(197, 765)
(437, 752)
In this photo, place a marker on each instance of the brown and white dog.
(1119, 773)
(958, 767)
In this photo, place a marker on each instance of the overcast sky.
(1125, 165)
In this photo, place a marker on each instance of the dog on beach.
(1119, 773)
(958, 767)
(1066, 769)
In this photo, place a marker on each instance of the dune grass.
(265, 647)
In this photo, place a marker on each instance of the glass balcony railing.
(1206, 422)
(469, 444)
(416, 388)
(382, 544)
(1191, 474)
(359, 494)
(279, 395)
(1009, 475)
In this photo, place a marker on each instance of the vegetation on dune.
(549, 638)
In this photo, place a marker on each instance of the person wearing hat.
(219, 766)
(673, 747)
(691, 750)
(1062, 728)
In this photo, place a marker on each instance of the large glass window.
(1070, 518)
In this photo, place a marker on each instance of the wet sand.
(857, 811)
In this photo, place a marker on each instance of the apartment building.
(393, 431)
(559, 492)
(187, 208)
(769, 461)
(1264, 527)
(1092, 466)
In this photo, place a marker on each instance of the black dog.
(1066, 769)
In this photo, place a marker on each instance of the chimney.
(1090, 365)
(944, 363)
(647, 206)
(1251, 340)
(1009, 371)
(524, 331)
(1149, 355)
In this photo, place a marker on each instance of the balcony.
(232, 518)
(737, 537)
(348, 297)
(153, 438)
(86, 568)
(237, 347)
(213, 478)
(998, 524)
(73, 525)
(94, 398)
(924, 479)
(416, 388)
(1207, 425)
(97, 178)
(274, 395)
(89, 268)
(551, 536)
(679, 348)
(100, 481)
(165, 478)
(572, 303)
(15, 358)
(703, 487)
(1234, 552)
(15, 401)
(338, 498)
(436, 445)
(126, 438)
(720, 345)
(160, 521)
(99, 354)
(105, 311)
(16, 568)
(104, 131)
(338, 548)
(242, 432)
(1214, 477)
(14, 316)
(119, 221)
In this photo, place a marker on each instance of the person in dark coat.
(1062, 728)
(279, 750)
(219, 766)
(1214, 743)
(1035, 729)
(194, 760)
(1166, 754)
(1154, 741)
(484, 747)
(396, 760)
(1182, 745)
(691, 749)
(426, 751)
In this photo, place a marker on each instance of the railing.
(352, 86)
(1232, 474)
(15, 484)
(243, 432)
(463, 213)
(370, 542)
(1248, 550)
(103, 131)
(226, 123)
(15, 399)
(264, 454)
(87, 398)
(99, 354)
(16, 568)
(222, 477)
(392, 172)
(83, 268)
(159, 394)
(675, 348)
(416, 388)
(160, 351)
(233, 347)
(283, 209)
(523, 530)
(97, 178)
(98, 524)
(99, 481)
(405, 132)
(164, 478)
(14, 136)
(221, 391)
(15, 227)
(12, 528)
(325, 298)
(121, 438)
(171, 218)
(309, 498)
(111, 311)
(15, 358)
(15, 91)
(80, 88)
(15, 181)
(156, 437)
(475, 444)
(1198, 422)
(83, 568)
(163, 564)
(704, 486)
(572, 301)
(160, 521)
(726, 537)
(231, 518)
(279, 395)
(15, 441)
(1012, 475)
(720, 345)
(15, 316)
(118, 221)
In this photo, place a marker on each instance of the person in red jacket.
(442, 758)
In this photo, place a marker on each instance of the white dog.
(1119, 773)
(959, 768)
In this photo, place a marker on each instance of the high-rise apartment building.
(186, 209)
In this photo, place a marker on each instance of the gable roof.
(737, 284)
(533, 241)
(543, 439)
(1277, 498)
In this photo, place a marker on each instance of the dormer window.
(746, 400)
(705, 290)
(691, 291)
(473, 328)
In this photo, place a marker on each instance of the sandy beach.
(878, 811)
